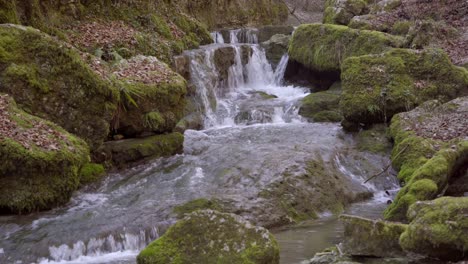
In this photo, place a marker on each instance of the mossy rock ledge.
(323, 106)
(431, 148)
(152, 96)
(40, 162)
(50, 80)
(342, 11)
(376, 87)
(208, 236)
(124, 152)
(365, 237)
(438, 228)
(323, 47)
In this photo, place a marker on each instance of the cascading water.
(252, 135)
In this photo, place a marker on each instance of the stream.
(247, 143)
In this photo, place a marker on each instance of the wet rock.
(323, 47)
(192, 121)
(323, 106)
(374, 139)
(50, 80)
(40, 162)
(342, 11)
(267, 32)
(432, 143)
(365, 237)
(375, 87)
(123, 152)
(209, 236)
(438, 228)
(224, 58)
(275, 48)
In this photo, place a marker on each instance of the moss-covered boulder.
(324, 47)
(323, 106)
(375, 87)
(366, 237)
(342, 11)
(197, 204)
(152, 97)
(123, 152)
(40, 162)
(431, 146)
(438, 228)
(50, 80)
(212, 237)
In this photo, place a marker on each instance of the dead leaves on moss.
(146, 70)
(103, 34)
(35, 133)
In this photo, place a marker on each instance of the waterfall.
(244, 35)
(217, 37)
(281, 69)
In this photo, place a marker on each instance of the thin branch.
(388, 166)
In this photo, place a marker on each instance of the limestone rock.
(267, 32)
(209, 236)
(375, 87)
(323, 106)
(275, 48)
(342, 11)
(438, 228)
(123, 152)
(50, 80)
(365, 237)
(39, 161)
(433, 144)
(323, 48)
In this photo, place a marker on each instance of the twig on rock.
(388, 166)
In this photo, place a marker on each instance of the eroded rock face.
(438, 228)
(209, 236)
(365, 237)
(431, 146)
(275, 48)
(39, 161)
(375, 87)
(51, 81)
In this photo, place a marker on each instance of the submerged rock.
(375, 87)
(438, 228)
(123, 152)
(431, 148)
(365, 237)
(208, 236)
(323, 106)
(50, 80)
(323, 47)
(39, 161)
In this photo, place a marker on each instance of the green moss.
(35, 178)
(438, 228)
(153, 120)
(366, 237)
(425, 164)
(8, 12)
(91, 172)
(341, 12)
(375, 87)
(37, 68)
(197, 204)
(212, 237)
(323, 106)
(324, 47)
(401, 27)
